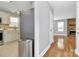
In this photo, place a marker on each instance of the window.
(14, 22)
(60, 26)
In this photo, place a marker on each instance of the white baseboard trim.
(77, 52)
(44, 51)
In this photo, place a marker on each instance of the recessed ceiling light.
(8, 1)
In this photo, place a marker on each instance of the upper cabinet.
(4, 17)
(12, 19)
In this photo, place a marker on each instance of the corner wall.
(77, 29)
(42, 22)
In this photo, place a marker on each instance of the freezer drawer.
(25, 48)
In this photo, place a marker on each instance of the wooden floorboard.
(55, 52)
(67, 51)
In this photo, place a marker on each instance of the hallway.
(55, 52)
(63, 29)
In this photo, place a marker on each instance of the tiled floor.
(9, 49)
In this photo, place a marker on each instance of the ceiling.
(63, 9)
(15, 6)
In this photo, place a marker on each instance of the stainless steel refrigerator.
(26, 45)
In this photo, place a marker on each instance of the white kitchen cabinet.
(5, 20)
(5, 17)
(10, 35)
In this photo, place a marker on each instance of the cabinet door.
(13, 35)
(10, 35)
(6, 36)
(5, 18)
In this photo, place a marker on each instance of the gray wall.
(56, 27)
(42, 20)
(27, 24)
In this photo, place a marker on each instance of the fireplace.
(72, 32)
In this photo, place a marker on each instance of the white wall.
(77, 29)
(42, 20)
(51, 26)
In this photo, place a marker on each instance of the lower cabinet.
(10, 35)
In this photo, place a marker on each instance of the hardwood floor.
(68, 51)
(55, 52)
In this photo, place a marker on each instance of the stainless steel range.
(1, 37)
